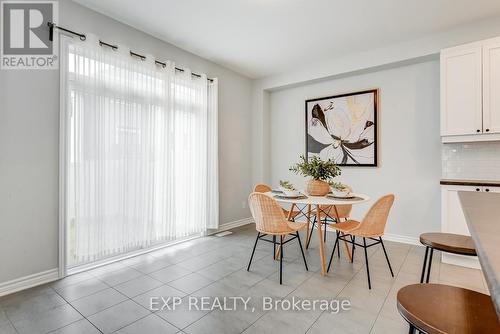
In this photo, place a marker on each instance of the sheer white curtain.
(140, 151)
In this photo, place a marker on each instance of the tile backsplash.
(479, 160)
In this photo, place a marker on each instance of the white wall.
(396, 55)
(425, 46)
(29, 126)
(409, 142)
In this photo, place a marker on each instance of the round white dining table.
(318, 202)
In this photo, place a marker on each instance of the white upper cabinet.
(470, 92)
(491, 86)
(461, 105)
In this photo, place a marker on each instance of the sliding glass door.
(139, 156)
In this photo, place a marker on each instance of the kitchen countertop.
(482, 213)
(465, 182)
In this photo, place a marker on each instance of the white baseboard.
(29, 281)
(388, 236)
(233, 224)
(402, 238)
(393, 237)
(461, 260)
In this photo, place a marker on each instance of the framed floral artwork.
(343, 128)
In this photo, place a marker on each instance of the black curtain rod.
(53, 26)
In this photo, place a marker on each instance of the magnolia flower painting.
(343, 128)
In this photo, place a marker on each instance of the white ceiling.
(263, 37)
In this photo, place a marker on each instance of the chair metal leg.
(281, 259)
(274, 247)
(386, 257)
(338, 249)
(424, 266)
(333, 252)
(253, 251)
(429, 267)
(353, 239)
(311, 232)
(367, 267)
(412, 329)
(281, 247)
(324, 238)
(302, 250)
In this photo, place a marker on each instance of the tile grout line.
(248, 288)
(111, 287)
(92, 276)
(295, 259)
(190, 272)
(347, 283)
(336, 296)
(108, 286)
(74, 308)
(295, 289)
(388, 292)
(154, 313)
(11, 323)
(218, 281)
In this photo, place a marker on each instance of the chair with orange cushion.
(372, 227)
(264, 188)
(270, 220)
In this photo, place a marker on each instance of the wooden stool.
(445, 242)
(437, 308)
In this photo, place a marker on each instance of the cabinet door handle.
(478, 130)
(487, 190)
(487, 130)
(477, 189)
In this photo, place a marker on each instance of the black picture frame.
(375, 124)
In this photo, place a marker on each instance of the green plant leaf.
(316, 168)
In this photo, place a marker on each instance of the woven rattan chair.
(329, 215)
(270, 220)
(371, 227)
(264, 188)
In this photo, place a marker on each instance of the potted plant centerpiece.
(319, 171)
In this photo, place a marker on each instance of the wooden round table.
(318, 202)
(440, 309)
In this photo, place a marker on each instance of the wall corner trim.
(28, 281)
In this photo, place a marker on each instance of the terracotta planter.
(317, 188)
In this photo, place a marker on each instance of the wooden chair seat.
(448, 242)
(345, 227)
(437, 308)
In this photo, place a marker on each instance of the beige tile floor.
(116, 298)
